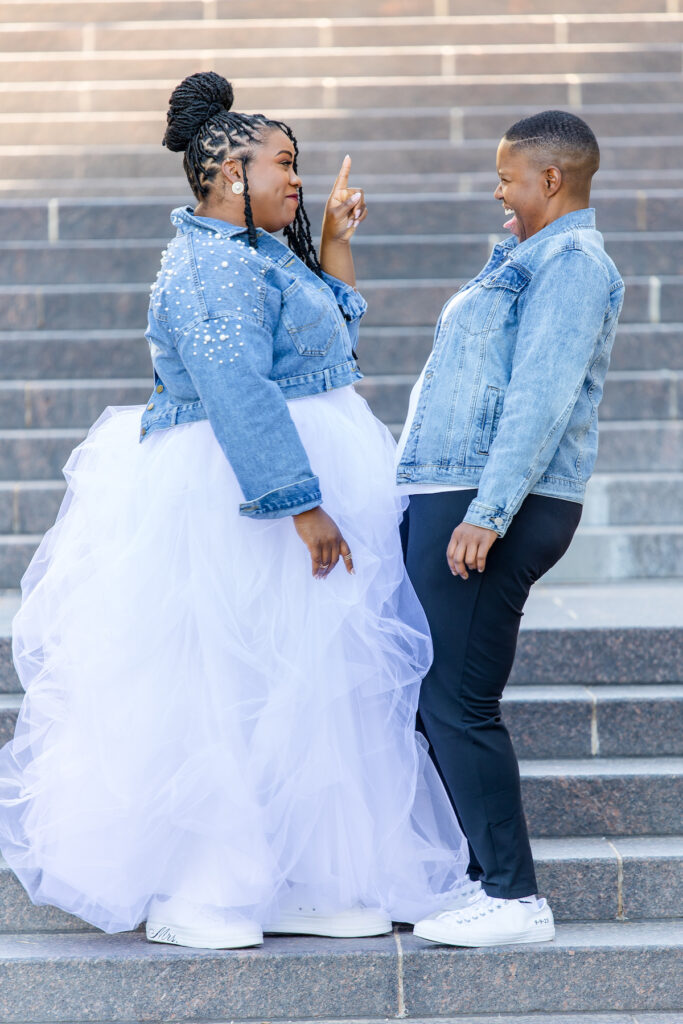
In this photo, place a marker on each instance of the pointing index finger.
(343, 176)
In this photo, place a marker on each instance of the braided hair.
(201, 123)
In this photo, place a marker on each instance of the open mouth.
(512, 223)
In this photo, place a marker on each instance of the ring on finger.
(347, 557)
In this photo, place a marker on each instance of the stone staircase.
(419, 91)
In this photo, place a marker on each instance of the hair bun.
(197, 98)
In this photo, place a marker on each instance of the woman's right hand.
(325, 543)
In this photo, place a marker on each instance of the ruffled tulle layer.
(202, 717)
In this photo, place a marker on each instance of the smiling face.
(527, 189)
(273, 183)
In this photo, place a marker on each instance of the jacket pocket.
(309, 318)
(493, 406)
(487, 304)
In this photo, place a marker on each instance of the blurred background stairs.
(419, 92)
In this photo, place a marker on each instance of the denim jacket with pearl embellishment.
(234, 332)
(510, 394)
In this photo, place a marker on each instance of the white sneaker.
(357, 922)
(488, 921)
(461, 896)
(180, 923)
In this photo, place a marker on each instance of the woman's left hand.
(468, 548)
(345, 209)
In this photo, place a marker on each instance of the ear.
(552, 181)
(231, 171)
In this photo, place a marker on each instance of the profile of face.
(526, 188)
(273, 183)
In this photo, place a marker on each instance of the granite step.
(617, 499)
(405, 349)
(144, 222)
(598, 554)
(170, 188)
(349, 61)
(143, 10)
(432, 156)
(364, 91)
(172, 34)
(73, 354)
(633, 395)
(391, 301)
(86, 127)
(560, 721)
(87, 977)
(623, 878)
(611, 633)
(625, 446)
(440, 255)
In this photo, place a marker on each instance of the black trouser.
(474, 626)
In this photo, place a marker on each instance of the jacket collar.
(576, 219)
(184, 219)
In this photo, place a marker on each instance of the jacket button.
(143, 432)
(150, 406)
(498, 521)
(160, 388)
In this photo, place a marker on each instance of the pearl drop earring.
(238, 187)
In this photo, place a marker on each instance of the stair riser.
(108, 67)
(581, 889)
(75, 220)
(390, 302)
(295, 978)
(93, 39)
(347, 93)
(475, 157)
(546, 729)
(651, 448)
(31, 357)
(94, 129)
(460, 258)
(97, 10)
(70, 405)
(27, 508)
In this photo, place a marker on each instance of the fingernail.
(356, 196)
(348, 156)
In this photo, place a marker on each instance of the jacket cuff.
(285, 501)
(489, 518)
(352, 302)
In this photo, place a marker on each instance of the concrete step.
(66, 403)
(588, 967)
(122, 127)
(442, 255)
(392, 301)
(145, 222)
(376, 32)
(572, 89)
(433, 156)
(623, 878)
(69, 63)
(100, 353)
(30, 506)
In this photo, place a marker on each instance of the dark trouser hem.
(475, 624)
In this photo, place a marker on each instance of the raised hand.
(345, 208)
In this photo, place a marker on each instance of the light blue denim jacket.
(509, 402)
(234, 332)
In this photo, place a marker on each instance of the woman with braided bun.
(218, 732)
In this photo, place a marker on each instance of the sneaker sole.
(434, 934)
(173, 935)
(315, 925)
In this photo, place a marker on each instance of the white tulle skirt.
(202, 717)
